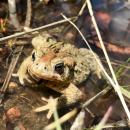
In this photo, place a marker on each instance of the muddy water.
(112, 19)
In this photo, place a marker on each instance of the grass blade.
(121, 68)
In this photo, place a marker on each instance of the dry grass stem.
(116, 64)
(82, 9)
(116, 87)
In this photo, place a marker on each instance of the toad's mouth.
(38, 77)
(41, 81)
(35, 75)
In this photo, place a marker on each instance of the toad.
(60, 66)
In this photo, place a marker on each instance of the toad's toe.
(39, 109)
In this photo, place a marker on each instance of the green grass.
(117, 74)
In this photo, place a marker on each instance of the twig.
(36, 29)
(77, 110)
(15, 58)
(91, 113)
(38, 98)
(100, 94)
(82, 9)
(28, 15)
(116, 87)
(79, 14)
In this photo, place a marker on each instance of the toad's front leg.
(23, 71)
(70, 95)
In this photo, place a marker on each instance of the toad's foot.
(22, 77)
(70, 95)
(50, 106)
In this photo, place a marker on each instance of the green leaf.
(121, 68)
(125, 86)
(125, 92)
(56, 117)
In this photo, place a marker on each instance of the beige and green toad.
(61, 66)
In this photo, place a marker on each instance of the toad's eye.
(33, 56)
(59, 68)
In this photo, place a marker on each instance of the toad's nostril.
(44, 67)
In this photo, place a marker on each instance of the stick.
(15, 58)
(28, 15)
(36, 96)
(36, 29)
